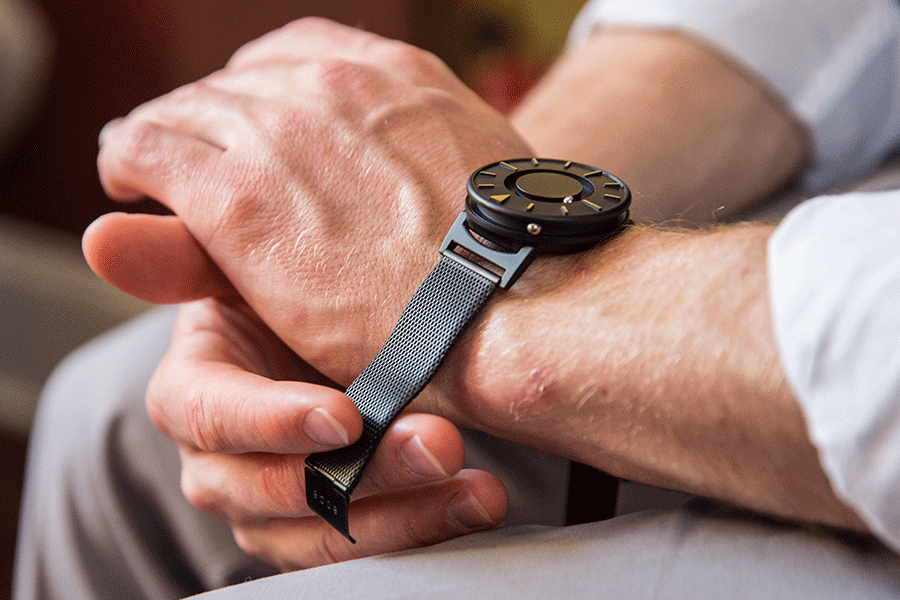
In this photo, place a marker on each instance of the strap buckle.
(324, 496)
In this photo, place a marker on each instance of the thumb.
(154, 258)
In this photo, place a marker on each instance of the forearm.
(694, 135)
(651, 358)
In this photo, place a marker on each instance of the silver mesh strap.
(441, 308)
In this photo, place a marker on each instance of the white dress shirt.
(834, 262)
(836, 63)
(834, 278)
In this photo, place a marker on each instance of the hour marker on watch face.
(535, 162)
(485, 185)
(612, 196)
(611, 184)
(568, 164)
(591, 204)
(488, 174)
(565, 209)
(501, 198)
(508, 166)
(530, 206)
(592, 173)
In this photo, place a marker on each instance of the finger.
(214, 390)
(154, 258)
(211, 113)
(122, 195)
(140, 158)
(416, 449)
(471, 501)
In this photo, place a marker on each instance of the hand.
(245, 412)
(319, 170)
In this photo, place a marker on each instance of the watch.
(515, 209)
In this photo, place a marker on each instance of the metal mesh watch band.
(441, 308)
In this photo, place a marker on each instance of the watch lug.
(509, 264)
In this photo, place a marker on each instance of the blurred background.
(69, 66)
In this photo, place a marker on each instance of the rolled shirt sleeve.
(834, 276)
(836, 64)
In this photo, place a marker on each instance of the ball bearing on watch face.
(553, 205)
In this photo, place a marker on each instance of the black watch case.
(555, 206)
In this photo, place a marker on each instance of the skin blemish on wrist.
(537, 394)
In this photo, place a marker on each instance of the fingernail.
(320, 426)
(466, 512)
(420, 460)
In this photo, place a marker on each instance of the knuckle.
(327, 550)
(182, 93)
(204, 429)
(279, 484)
(248, 543)
(153, 403)
(285, 36)
(378, 480)
(419, 538)
(198, 495)
(308, 25)
(420, 531)
(411, 59)
(131, 146)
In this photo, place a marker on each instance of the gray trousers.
(103, 517)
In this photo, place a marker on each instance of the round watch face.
(553, 205)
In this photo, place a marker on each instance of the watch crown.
(533, 228)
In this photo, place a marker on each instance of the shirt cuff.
(834, 284)
(836, 64)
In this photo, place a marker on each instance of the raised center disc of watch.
(549, 186)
